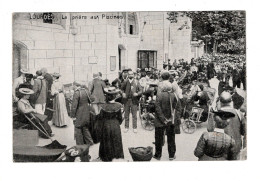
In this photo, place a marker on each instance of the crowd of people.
(96, 107)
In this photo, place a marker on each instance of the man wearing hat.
(236, 76)
(17, 82)
(131, 89)
(97, 91)
(49, 102)
(40, 97)
(167, 111)
(80, 113)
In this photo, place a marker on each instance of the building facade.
(197, 48)
(79, 44)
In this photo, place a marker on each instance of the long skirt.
(111, 145)
(60, 115)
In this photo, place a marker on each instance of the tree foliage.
(226, 30)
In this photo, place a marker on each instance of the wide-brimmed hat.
(111, 90)
(26, 91)
(56, 74)
(24, 71)
(224, 114)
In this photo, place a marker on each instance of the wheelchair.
(147, 113)
(189, 125)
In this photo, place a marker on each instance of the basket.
(141, 153)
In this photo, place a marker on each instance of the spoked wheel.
(147, 121)
(189, 126)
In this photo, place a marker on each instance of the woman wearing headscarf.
(60, 115)
(111, 146)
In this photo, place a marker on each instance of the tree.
(221, 28)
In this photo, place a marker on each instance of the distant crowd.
(96, 107)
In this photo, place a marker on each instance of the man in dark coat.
(236, 77)
(40, 96)
(237, 99)
(210, 72)
(49, 101)
(97, 91)
(163, 113)
(80, 113)
(132, 90)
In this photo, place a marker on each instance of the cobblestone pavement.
(185, 143)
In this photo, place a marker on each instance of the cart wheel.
(147, 121)
(189, 126)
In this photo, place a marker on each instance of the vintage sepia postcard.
(129, 86)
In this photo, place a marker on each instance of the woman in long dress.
(60, 115)
(111, 146)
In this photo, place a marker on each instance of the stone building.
(78, 44)
(197, 48)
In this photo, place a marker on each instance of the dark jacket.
(238, 100)
(236, 75)
(130, 88)
(235, 129)
(163, 111)
(49, 80)
(80, 108)
(215, 146)
(41, 90)
(97, 90)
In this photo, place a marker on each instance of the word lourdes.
(50, 16)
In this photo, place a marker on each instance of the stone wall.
(81, 46)
(49, 45)
(180, 39)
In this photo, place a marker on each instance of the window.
(147, 59)
(131, 29)
(132, 24)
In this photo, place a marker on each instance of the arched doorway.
(121, 57)
(20, 57)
